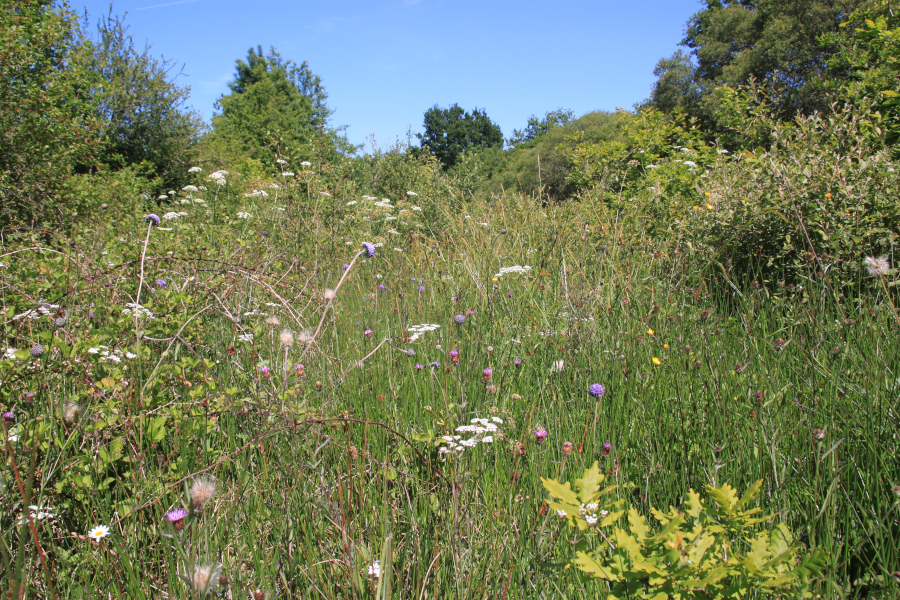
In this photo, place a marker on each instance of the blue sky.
(385, 62)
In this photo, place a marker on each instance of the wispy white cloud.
(166, 4)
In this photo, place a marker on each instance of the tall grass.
(326, 465)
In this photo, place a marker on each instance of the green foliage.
(869, 54)
(537, 165)
(275, 108)
(46, 114)
(710, 549)
(140, 108)
(676, 88)
(819, 198)
(451, 131)
(665, 154)
(779, 40)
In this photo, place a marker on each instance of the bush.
(711, 549)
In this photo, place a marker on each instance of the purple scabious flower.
(265, 233)
(421, 288)
(152, 218)
(161, 282)
(369, 247)
(381, 286)
(459, 319)
(434, 365)
(345, 266)
(413, 279)
(596, 390)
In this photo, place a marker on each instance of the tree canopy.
(733, 41)
(451, 131)
(275, 106)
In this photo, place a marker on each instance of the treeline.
(89, 120)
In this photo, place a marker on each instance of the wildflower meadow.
(300, 403)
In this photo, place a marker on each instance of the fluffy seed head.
(205, 578)
(202, 491)
(70, 411)
(286, 337)
(877, 266)
(329, 294)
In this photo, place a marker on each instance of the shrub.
(711, 549)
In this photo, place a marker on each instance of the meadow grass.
(320, 415)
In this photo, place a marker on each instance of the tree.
(47, 125)
(451, 131)
(275, 107)
(776, 40)
(676, 88)
(537, 128)
(141, 109)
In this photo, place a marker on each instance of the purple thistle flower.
(518, 362)
(90, 315)
(596, 390)
(455, 298)
(459, 319)
(488, 374)
(369, 248)
(176, 516)
(509, 294)
(367, 332)
(757, 394)
(419, 367)
(9, 416)
(152, 218)
(540, 434)
(264, 370)
(470, 312)
(454, 353)
(607, 448)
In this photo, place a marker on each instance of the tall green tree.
(451, 131)
(47, 125)
(777, 40)
(142, 110)
(676, 88)
(275, 107)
